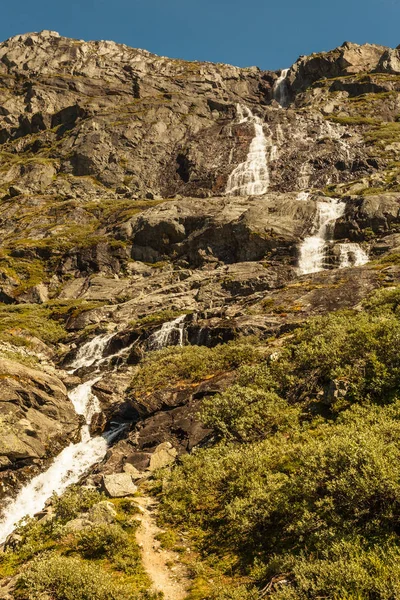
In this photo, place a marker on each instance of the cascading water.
(91, 352)
(281, 92)
(351, 255)
(171, 333)
(251, 178)
(73, 462)
(313, 248)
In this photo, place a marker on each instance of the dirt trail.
(172, 581)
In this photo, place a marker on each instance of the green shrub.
(246, 414)
(192, 363)
(128, 560)
(74, 501)
(102, 540)
(347, 569)
(35, 320)
(69, 578)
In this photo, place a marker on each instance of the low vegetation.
(46, 322)
(299, 497)
(100, 561)
(192, 364)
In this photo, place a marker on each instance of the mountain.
(204, 259)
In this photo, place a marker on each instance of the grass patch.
(192, 364)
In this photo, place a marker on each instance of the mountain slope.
(225, 213)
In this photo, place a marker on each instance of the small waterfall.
(251, 178)
(86, 404)
(351, 255)
(303, 180)
(91, 352)
(281, 92)
(73, 462)
(313, 248)
(66, 469)
(170, 334)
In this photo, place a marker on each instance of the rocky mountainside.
(148, 202)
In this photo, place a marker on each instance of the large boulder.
(390, 61)
(119, 485)
(163, 455)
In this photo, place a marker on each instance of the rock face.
(97, 138)
(37, 419)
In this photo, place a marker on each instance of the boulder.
(102, 513)
(77, 524)
(37, 294)
(390, 61)
(132, 471)
(119, 485)
(163, 455)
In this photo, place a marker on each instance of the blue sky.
(268, 33)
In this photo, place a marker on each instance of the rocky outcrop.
(348, 59)
(228, 230)
(390, 61)
(371, 216)
(37, 420)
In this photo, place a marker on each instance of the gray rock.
(132, 471)
(37, 418)
(102, 513)
(37, 294)
(164, 455)
(78, 524)
(119, 485)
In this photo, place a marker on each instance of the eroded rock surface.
(37, 418)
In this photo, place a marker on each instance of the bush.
(305, 489)
(102, 540)
(74, 501)
(68, 578)
(245, 414)
(192, 363)
(347, 569)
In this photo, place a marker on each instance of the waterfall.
(251, 178)
(91, 352)
(351, 255)
(86, 404)
(170, 334)
(313, 248)
(281, 92)
(66, 469)
(73, 462)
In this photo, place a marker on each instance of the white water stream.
(312, 250)
(251, 178)
(281, 93)
(171, 333)
(91, 352)
(351, 255)
(69, 466)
